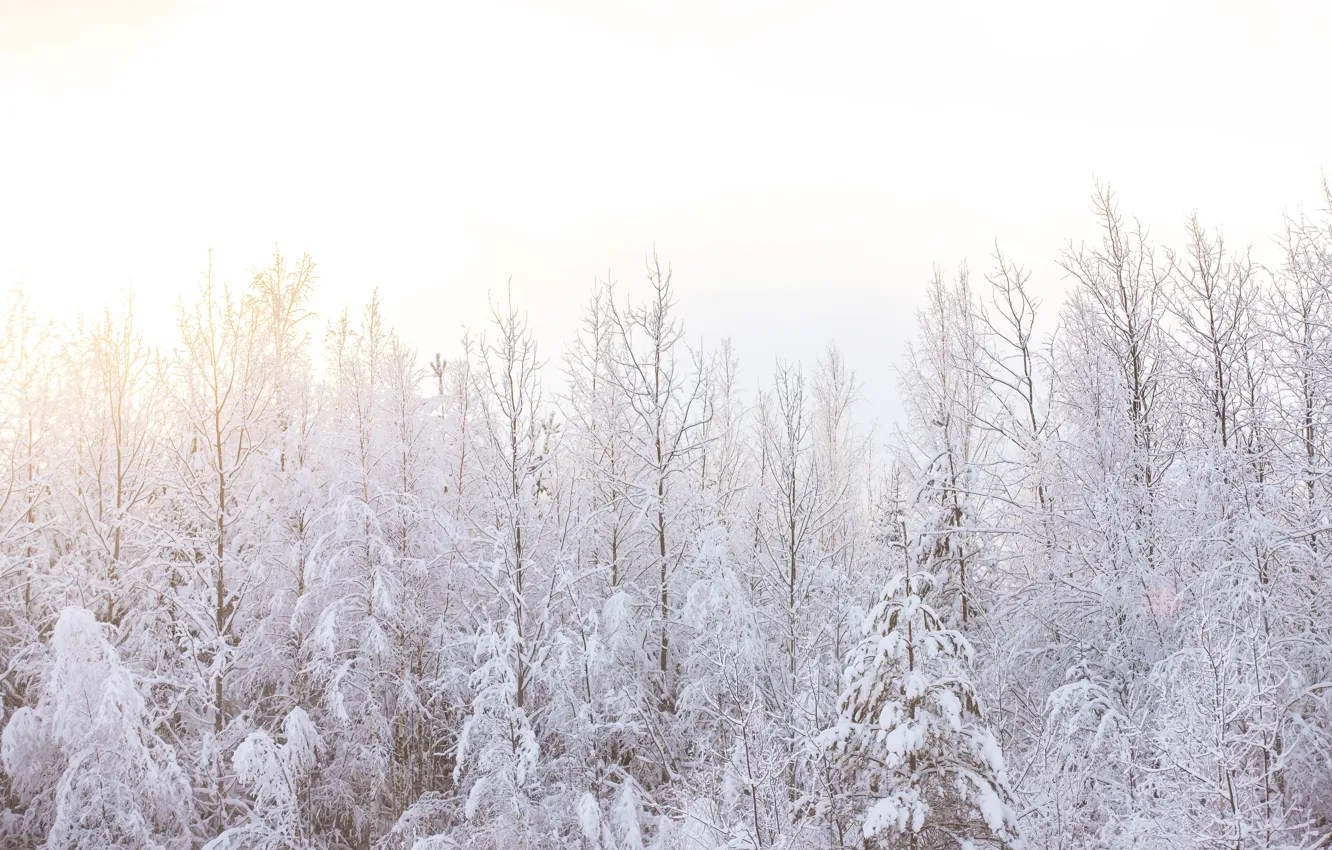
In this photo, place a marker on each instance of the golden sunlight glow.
(803, 166)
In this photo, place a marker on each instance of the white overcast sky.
(801, 165)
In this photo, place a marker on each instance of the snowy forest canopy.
(607, 597)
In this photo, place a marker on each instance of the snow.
(623, 592)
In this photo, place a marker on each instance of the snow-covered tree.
(275, 774)
(927, 772)
(87, 761)
(351, 603)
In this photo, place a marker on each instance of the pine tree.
(927, 771)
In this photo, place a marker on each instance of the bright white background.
(802, 165)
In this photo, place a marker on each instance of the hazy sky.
(802, 166)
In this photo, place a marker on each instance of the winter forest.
(627, 591)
